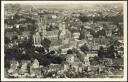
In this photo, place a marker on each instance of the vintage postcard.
(69, 41)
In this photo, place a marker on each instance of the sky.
(70, 5)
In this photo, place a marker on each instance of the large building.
(61, 35)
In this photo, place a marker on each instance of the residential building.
(35, 69)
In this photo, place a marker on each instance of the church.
(58, 37)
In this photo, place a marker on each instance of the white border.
(65, 79)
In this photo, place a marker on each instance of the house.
(54, 67)
(76, 35)
(66, 66)
(11, 35)
(73, 62)
(89, 36)
(54, 17)
(8, 26)
(81, 42)
(66, 47)
(23, 69)
(35, 69)
(87, 27)
(93, 68)
(92, 54)
(86, 61)
(76, 67)
(24, 35)
(108, 33)
(13, 66)
(70, 58)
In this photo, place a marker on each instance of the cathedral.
(57, 37)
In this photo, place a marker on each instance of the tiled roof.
(51, 33)
(55, 43)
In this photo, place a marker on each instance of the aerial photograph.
(78, 40)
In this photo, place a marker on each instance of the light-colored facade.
(37, 39)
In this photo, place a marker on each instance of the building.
(70, 58)
(78, 67)
(76, 35)
(24, 35)
(23, 69)
(62, 35)
(86, 61)
(52, 35)
(54, 67)
(66, 66)
(35, 69)
(92, 54)
(13, 67)
(72, 63)
(37, 39)
(65, 47)
(10, 35)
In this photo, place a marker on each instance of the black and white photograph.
(64, 40)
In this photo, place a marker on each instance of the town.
(63, 43)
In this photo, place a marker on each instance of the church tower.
(41, 32)
(42, 27)
(64, 34)
(62, 31)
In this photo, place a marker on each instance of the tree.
(84, 48)
(101, 52)
(84, 18)
(43, 60)
(57, 60)
(112, 53)
(69, 51)
(6, 40)
(82, 35)
(101, 33)
(52, 52)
